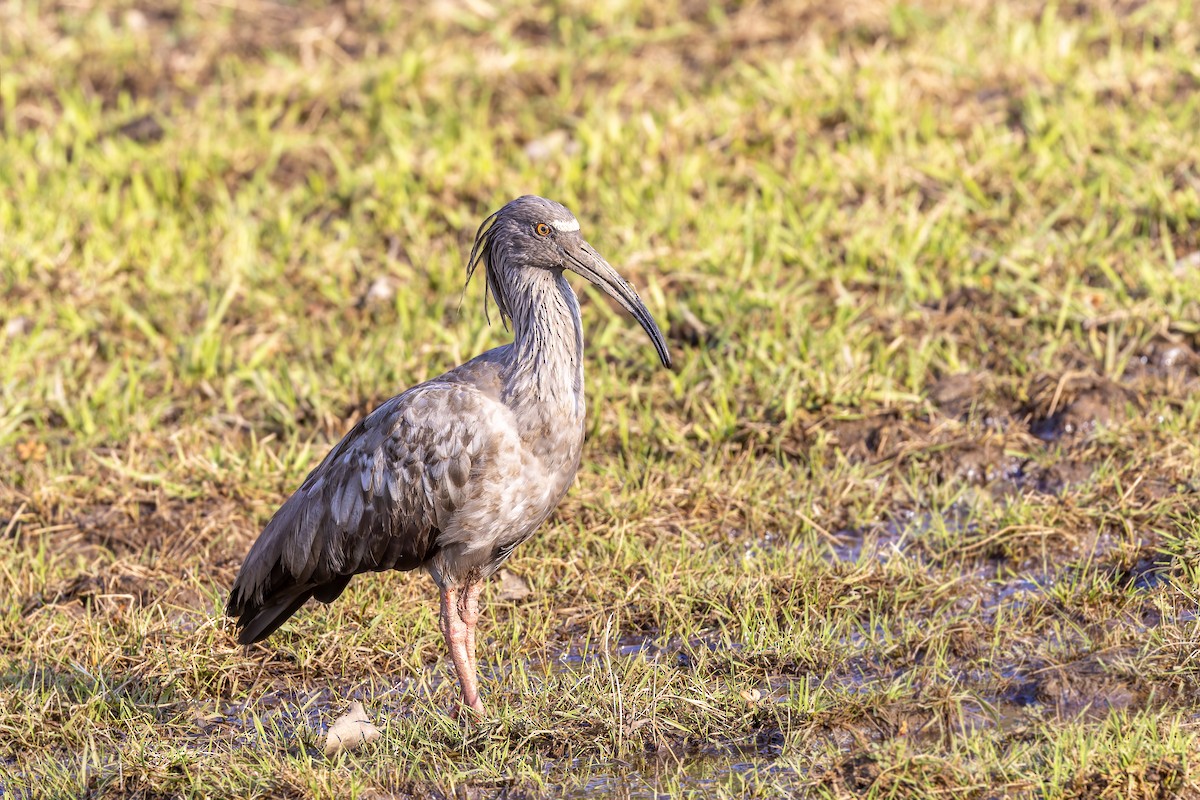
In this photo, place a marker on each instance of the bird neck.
(548, 342)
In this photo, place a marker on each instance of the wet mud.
(1048, 446)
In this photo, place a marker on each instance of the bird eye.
(542, 229)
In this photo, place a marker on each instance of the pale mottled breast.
(530, 461)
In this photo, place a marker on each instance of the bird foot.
(461, 711)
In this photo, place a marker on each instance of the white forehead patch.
(566, 225)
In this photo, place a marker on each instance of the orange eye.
(542, 229)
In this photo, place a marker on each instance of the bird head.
(533, 232)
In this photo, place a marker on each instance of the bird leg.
(454, 628)
(470, 615)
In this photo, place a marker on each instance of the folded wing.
(378, 501)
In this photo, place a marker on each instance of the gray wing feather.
(374, 503)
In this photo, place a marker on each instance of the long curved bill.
(582, 259)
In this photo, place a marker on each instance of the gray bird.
(454, 473)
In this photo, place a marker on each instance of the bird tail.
(270, 586)
(258, 620)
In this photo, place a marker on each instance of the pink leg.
(470, 615)
(455, 630)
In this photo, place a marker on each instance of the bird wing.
(376, 502)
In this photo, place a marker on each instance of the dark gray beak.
(581, 258)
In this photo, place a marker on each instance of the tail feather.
(259, 622)
(328, 592)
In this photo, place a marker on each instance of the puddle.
(1148, 573)
(1026, 475)
(1063, 407)
(909, 534)
(1020, 695)
(709, 770)
(673, 650)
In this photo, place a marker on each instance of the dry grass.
(914, 514)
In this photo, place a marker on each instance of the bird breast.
(529, 460)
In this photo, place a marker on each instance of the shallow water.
(1004, 698)
(730, 767)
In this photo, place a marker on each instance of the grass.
(914, 513)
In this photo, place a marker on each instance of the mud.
(727, 767)
(1048, 447)
(1009, 697)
